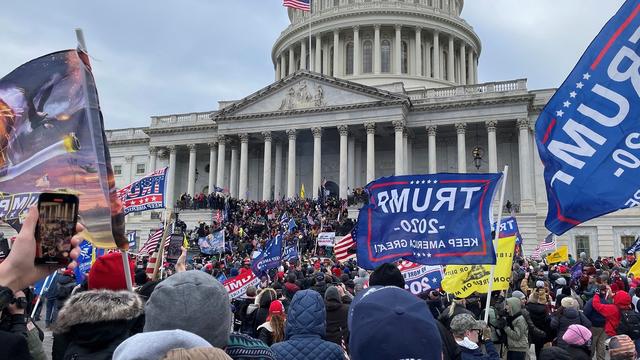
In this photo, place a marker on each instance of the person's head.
(156, 344)
(277, 318)
(622, 300)
(332, 294)
(199, 353)
(387, 275)
(107, 273)
(513, 306)
(466, 326)
(251, 291)
(569, 303)
(577, 335)
(371, 337)
(191, 301)
(307, 315)
(520, 295)
(621, 347)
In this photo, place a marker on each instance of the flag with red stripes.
(153, 242)
(151, 264)
(303, 5)
(345, 249)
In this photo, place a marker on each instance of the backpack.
(629, 324)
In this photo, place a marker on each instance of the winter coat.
(249, 320)
(14, 346)
(306, 324)
(540, 318)
(536, 334)
(597, 320)
(445, 317)
(611, 312)
(478, 354)
(320, 287)
(566, 317)
(264, 300)
(578, 352)
(265, 333)
(93, 323)
(63, 290)
(517, 329)
(337, 329)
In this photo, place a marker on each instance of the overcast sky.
(161, 57)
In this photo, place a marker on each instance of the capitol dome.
(379, 42)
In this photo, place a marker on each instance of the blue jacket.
(306, 323)
(468, 354)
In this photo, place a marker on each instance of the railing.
(182, 119)
(486, 88)
(125, 134)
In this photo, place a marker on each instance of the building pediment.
(306, 91)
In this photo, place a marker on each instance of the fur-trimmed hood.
(97, 306)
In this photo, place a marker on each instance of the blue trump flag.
(291, 252)
(634, 248)
(270, 257)
(435, 219)
(588, 134)
(144, 194)
(84, 261)
(508, 228)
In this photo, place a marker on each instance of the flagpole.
(308, 63)
(45, 285)
(505, 172)
(161, 247)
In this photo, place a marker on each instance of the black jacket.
(337, 329)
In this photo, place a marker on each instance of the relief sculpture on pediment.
(299, 97)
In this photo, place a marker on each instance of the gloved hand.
(486, 333)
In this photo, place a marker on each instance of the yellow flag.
(302, 192)
(185, 242)
(463, 280)
(635, 269)
(560, 255)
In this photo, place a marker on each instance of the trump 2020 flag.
(146, 193)
(435, 219)
(290, 252)
(588, 134)
(270, 257)
(420, 278)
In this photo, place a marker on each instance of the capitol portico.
(364, 89)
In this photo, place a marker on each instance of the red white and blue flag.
(303, 5)
(144, 194)
(152, 243)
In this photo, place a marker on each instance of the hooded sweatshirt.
(516, 329)
(611, 312)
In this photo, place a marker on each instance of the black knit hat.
(387, 275)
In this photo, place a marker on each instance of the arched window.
(330, 72)
(385, 55)
(405, 57)
(349, 59)
(367, 58)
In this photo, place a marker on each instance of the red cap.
(276, 308)
(68, 272)
(108, 273)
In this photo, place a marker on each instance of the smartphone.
(58, 215)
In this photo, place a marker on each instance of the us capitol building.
(381, 87)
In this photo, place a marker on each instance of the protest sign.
(212, 243)
(326, 238)
(270, 257)
(464, 280)
(420, 278)
(427, 219)
(237, 286)
(587, 134)
(146, 193)
(560, 255)
(52, 139)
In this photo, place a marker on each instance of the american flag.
(217, 216)
(146, 193)
(342, 248)
(152, 243)
(303, 5)
(151, 264)
(548, 244)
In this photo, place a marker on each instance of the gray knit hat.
(192, 301)
(332, 294)
(463, 322)
(155, 345)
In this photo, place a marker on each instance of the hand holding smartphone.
(58, 215)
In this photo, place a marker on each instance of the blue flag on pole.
(270, 257)
(84, 261)
(435, 219)
(634, 248)
(290, 253)
(588, 134)
(292, 225)
(508, 228)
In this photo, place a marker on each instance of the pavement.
(48, 339)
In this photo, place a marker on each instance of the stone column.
(409, 162)
(317, 160)
(461, 129)
(524, 158)
(376, 49)
(171, 184)
(266, 176)
(451, 61)
(277, 179)
(153, 158)
(493, 149)
(283, 66)
(357, 182)
(278, 71)
(292, 60)
(418, 67)
(325, 60)
(357, 59)
(471, 62)
(427, 60)
(475, 70)
(398, 126)
(405, 150)
(463, 63)
(318, 53)
(398, 50)
(436, 55)
(344, 132)
(291, 165)
(191, 185)
(213, 158)
(244, 166)
(233, 173)
(303, 54)
(129, 161)
(431, 133)
(336, 53)
(351, 162)
(222, 141)
(371, 151)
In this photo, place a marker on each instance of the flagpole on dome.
(505, 172)
(308, 63)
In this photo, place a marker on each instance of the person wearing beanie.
(612, 312)
(154, 345)
(621, 347)
(372, 337)
(93, 323)
(320, 284)
(201, 353)
(578, 342)
(107, 273)
(306, 323)
(468, 334)
(290, 287)
(337, 312)
(192, 301)
(567, 315)
(517, 330)
(272, 331)
(387, 275)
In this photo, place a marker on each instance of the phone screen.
(58, 215)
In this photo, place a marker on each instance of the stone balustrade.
(182, 119)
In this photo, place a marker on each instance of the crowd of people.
(313, 307)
